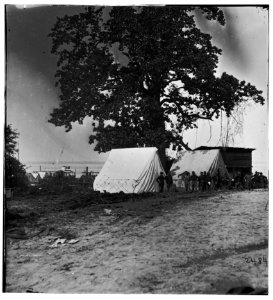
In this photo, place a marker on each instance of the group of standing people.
(192, 182)
(161, 181)
(256, 181)
(205, 181)
(202, 183)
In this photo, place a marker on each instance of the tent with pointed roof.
(130, 170)
(42, 174)
(199, 161)
(33, 178)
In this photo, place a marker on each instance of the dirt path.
(165, 244)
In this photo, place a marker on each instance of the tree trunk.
(157, 123)
(162, 156)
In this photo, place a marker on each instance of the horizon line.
(61, 162)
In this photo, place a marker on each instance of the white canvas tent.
(199, 161)
(42, 174)
(130, 170)
(33, 177)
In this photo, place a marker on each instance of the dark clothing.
(206, 181)
(218, 180)
(261, 179)
(169, 181)
(265, 182)
(201, 182)
(160, 181)
(237, 182)
(193, 177)
(186, 179)
(256, 180)
(247, 179)
(194, 182)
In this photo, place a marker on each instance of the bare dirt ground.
(168, 243)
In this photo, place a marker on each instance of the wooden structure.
(236, 159)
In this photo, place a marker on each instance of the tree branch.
(200, 117)
(171, 80)
(166, 99)
(186, 146)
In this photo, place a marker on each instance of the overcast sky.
(31, 91)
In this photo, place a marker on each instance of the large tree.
(149, 71)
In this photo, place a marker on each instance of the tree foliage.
(149, 71)
(14, 170)
(10, 141)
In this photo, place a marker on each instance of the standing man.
(193, 181)
(261, 180)
(247, 180)
(186, 178)
(169, 181)
(201, 182)
(206, 181)
(256, 180)
(160, 181)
